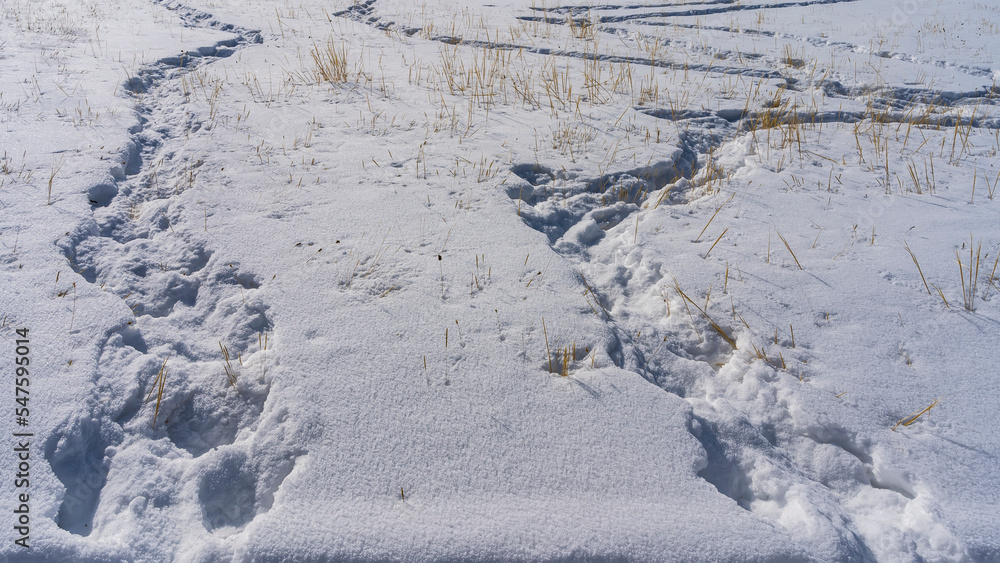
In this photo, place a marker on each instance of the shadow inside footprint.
(102, 194)
(722, 471)
(228, 494)
(208, 420)
(76, 455)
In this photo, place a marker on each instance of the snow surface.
(531, 281)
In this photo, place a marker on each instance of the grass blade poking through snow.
(969, 286)
(715, 243)
(548, 351)
(711, 322)
(230, 372)
(913, 418)
(158, 385)
(789, 249)
(917, 264)
(710, 219)
(331, 62)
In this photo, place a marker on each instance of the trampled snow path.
(761, 442)
(173, 280)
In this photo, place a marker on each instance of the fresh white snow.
(518, 281)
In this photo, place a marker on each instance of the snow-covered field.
(395, 280)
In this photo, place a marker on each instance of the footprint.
(214, 413)
(101, 195)
(237, 486)
(228, 494)
(75, 451)
(722, 470)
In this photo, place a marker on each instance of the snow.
(534, 282)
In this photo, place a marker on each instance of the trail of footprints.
(739, 438)
(174, 280)
(657, 10)
(898, 99)
(756, 453)
(179, 289)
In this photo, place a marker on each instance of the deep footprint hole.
(76, 456)
(228, 494)
(101, 195)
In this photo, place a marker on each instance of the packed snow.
(295, 280)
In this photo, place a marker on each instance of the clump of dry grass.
(969, 274)
(582, 28)
(570, 138)
(230, 372)
(564, 356)
(330, 62)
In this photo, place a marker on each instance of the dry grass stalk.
(917, 264)
(941, 293)
(55, 170)
(715, 243)
(789, 249)
(599, 304)
(711, 322)
(970, 285)
(158, 385)
(548, 351)
(230, 372)
(710, 221)
(906, 421)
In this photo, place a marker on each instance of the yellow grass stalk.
(547, 350)
(710, 219)
(789, 249)
(715, 243)
(913, 418)
(158, 384)
(230, 372)
(917, 264)
(711, 322)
